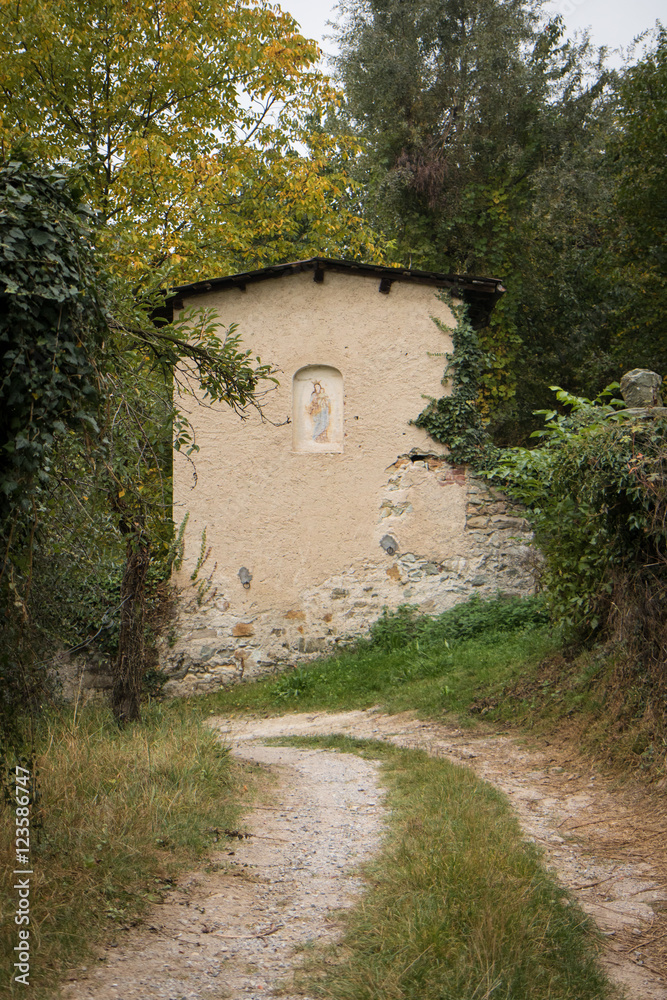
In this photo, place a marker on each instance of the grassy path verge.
(119, 814)
(426, 672)
(458, 905)
(499, 661)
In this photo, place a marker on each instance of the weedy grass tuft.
(119, 812)
(472, 619)
(458, 906)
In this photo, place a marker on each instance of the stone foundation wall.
(218, 645)
(82, 678)
(215, 642)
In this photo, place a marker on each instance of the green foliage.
(455, 420)
(444, 94)
(52, 321)
(88, 412)
(595, 495)
(485, 136)
(638, 151)
(640, 148)
(476, 619)
(192, 125)
(293, 686)
(201, 358)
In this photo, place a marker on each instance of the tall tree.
(638, 150)
(440, 89)
(181, 116)
(86, 423)
(470, 111)
(192, 129)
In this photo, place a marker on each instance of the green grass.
(119, 814)
(587, 697)
(458, 906)
(434, 666)
(499, 661)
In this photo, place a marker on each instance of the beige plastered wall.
(308, 527)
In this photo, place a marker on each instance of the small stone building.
(331, 505)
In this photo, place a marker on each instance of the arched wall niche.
(317, 410)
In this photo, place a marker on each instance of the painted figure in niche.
(319, 409)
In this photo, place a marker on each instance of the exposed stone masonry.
(215, 643)
(216, 648)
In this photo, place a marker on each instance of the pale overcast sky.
(611, 22)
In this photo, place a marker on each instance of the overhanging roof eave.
(456, 282)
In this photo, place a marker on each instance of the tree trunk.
(129, 667)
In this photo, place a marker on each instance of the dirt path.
(608, 845)
(230, 931)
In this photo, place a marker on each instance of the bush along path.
(456, 903)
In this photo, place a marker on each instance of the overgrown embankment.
(594, 489)
(117, 815)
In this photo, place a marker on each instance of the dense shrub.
(596, 491)
(596, 494)
(474, 619)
